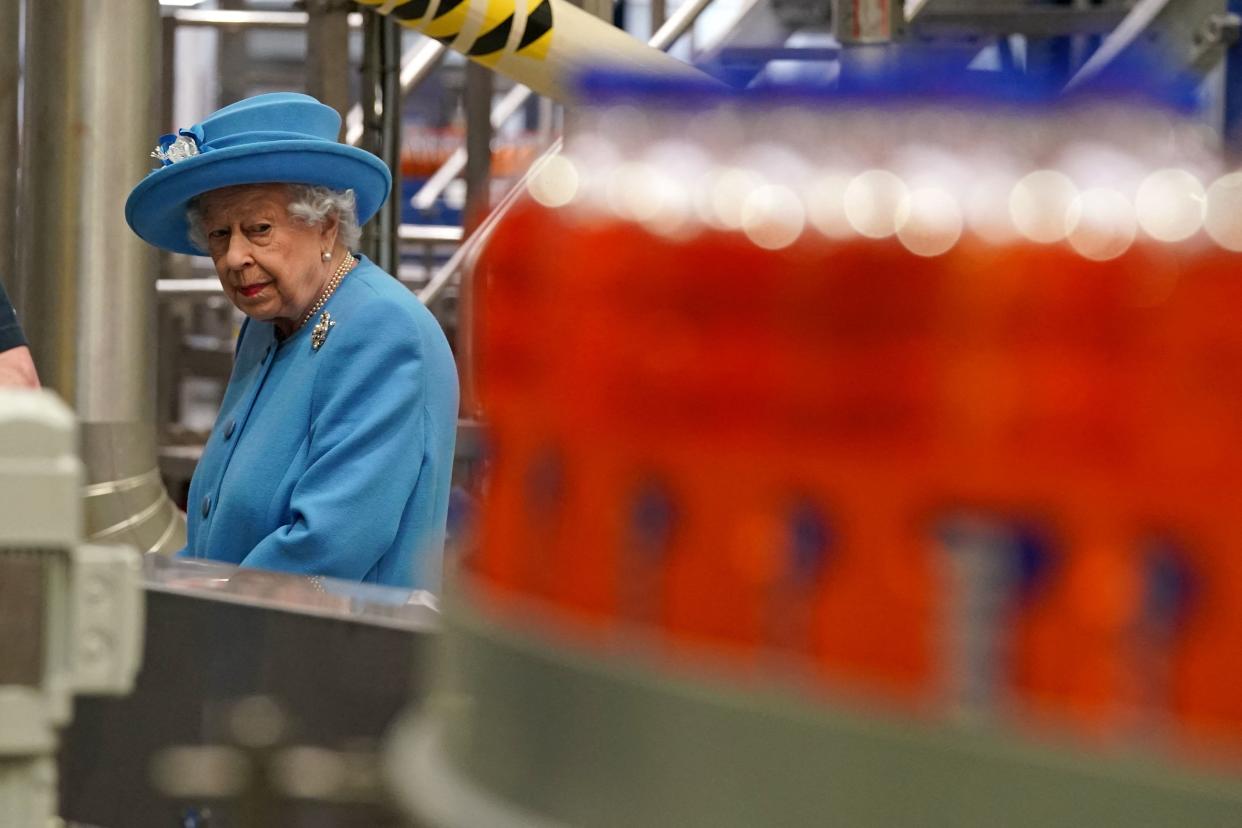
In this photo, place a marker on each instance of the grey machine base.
(339, 677)
(530, 735)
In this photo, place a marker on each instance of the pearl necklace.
(346, 265)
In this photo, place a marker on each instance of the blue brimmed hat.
(281, 137)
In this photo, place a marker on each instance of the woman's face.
(270, 264)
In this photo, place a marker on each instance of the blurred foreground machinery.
(71, 615)
(263, 701)
(262, 696)
(886, 482)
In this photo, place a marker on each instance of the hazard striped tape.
(537, 37)
(539, 43)
(445, 21)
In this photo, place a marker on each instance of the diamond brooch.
(320, 332)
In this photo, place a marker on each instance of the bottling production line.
(838, 445)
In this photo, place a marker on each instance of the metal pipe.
(416, 66)
(468, 253)
(471, 246)
(391, 131)
(433, 187)
(372, 102)
(678, 24)
(10, 20)
(208, 286)
(538, 43)
(673, 28)
(867, 22)
(90, 308)
(381, 107)
(480, 86)
(430, 233)
(228, 19)
(168, 79)
(327, 53)
(1137, 21)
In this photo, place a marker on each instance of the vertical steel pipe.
(327, 52)
(48, 249)
(659, 13)
(480, 87)
(91, 87)
(416, 66)
(393, 138)
(381, 118)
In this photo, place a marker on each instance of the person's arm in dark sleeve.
(16, 366)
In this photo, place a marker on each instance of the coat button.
(228, 428)
(206, 504)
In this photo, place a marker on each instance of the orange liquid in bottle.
(1098, 398)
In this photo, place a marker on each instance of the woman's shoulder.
(378, 296)
(374, 306)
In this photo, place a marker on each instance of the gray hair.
(308, 203)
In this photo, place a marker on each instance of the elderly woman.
(332, 451)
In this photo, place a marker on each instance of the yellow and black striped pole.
(539, 43)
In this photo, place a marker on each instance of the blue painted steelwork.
(1233, 89)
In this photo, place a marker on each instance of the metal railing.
(677, 25)
(666, 36)
(417, 64)
(223, 19)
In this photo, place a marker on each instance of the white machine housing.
(71, 615)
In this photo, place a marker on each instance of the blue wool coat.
(336, 461)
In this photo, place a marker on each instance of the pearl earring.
(327, 256)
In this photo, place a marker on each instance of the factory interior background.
(850, 424)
